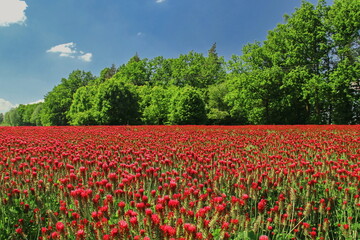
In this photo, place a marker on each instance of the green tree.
(214, 68)
(255, 94)
(1, 118)
(218, 110)
(310, 51)
(306, 71)
(343, 19)
(58, 101)
(23, 115)
(82, 110)
(345, 98)
(255, 97)
(21, 112)
(106, 74)
(13, 117)
(135, 71)
(187, 107)
(27, 114)
(188, 70)
(155, 104)
(285, 78)
(35, 119)
(116, 103)
(160, 71)
(301, 48)
(56, 104)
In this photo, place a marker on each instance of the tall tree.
(214, 68)
(156, 104)
(58, 101)
(135, 71)
(82, 110)
(160, 71)
(344, 24)
(302, 49)
(218, 110)
(255, 94)
(13, 117)
(116, 103)
(286, 77)
(106, 74)
(187, 107)
(187, 69)
(35, 118)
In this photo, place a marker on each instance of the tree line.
(307, 71)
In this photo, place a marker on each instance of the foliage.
(58, 101)
(24, 115)
(134, 72)
(187, 107)
(116, 103)
(82, 107)
(155, 104)
(300, 73)
(13, 118)
(218, 110)
(307, 71)
(160, 70)
(35, 119)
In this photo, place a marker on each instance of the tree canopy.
(306, 71)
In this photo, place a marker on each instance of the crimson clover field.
(180, 182)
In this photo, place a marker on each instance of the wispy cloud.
(38, 101)
(69, 50)
(65, 50)
(160, 1)
(5, 105)
(86, 57)
(11, 12)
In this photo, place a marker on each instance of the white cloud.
(5, 105)
(140, 34)
(160, 1)
(38, 101)
(69, 50)
(65, 50)
(86, 57)
(11, 12)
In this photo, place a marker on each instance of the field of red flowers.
(180, 182)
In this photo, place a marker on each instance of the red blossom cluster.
(180, 182)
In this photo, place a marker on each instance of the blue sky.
(42, 41)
